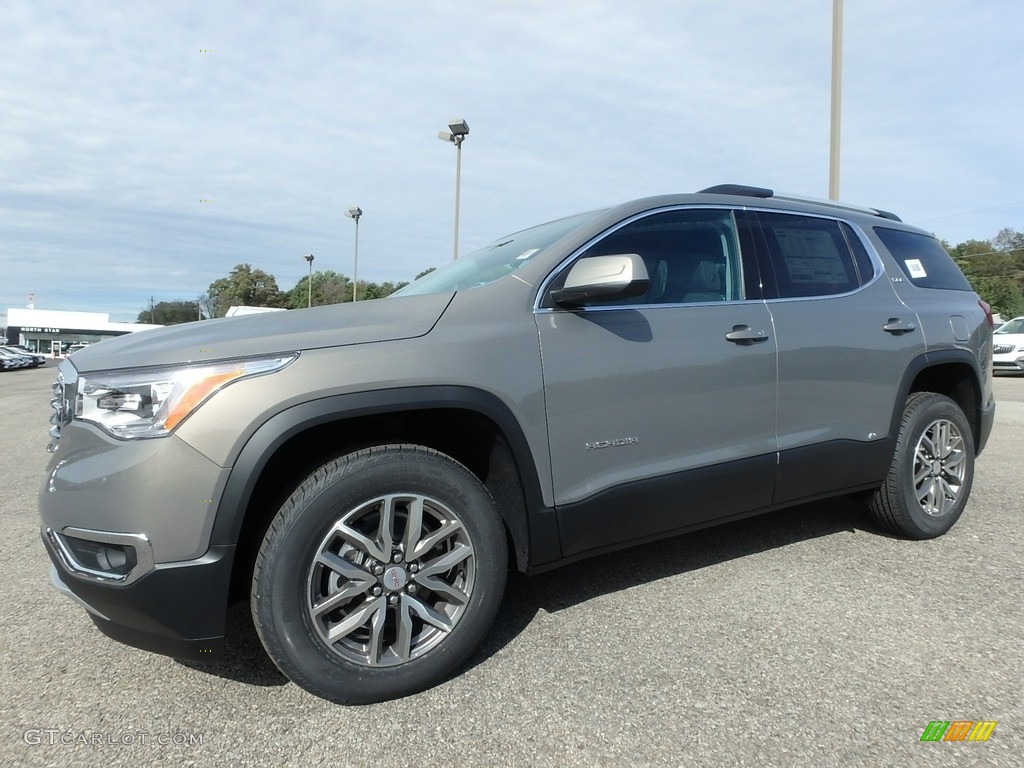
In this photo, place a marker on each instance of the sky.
(146, 148)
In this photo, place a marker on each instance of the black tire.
(932, 469)
(349, 627)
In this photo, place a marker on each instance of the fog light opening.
(112, 559)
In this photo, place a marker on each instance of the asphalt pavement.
(800, 638)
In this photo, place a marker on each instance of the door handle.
(896, 327)
(745, 335)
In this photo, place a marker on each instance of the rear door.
(661, 408)
(845, 341)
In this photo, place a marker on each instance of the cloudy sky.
(148, 147)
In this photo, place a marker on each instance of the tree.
(331, 287)
(995, 270)
(378, 290)
(246, 287)
(1009, 240)
(170, 313)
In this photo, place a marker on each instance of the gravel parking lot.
(801, 638)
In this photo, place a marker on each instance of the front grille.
(62, 402)
(1002, 349)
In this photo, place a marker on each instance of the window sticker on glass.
(527, 254)
(915, 268)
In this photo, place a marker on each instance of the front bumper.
(176, 609)
(1008, 366)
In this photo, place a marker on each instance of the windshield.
(502, 257)
(1013, 326)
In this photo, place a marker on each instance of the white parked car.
(1008, 347)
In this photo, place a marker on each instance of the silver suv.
(365, 474)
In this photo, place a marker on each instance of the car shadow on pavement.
(525, 596)
(244, 659)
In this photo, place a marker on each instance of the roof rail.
(742, 190)
(837, 204)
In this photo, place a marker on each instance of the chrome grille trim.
(62, 402)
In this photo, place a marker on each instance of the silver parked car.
(11, 359)
(34, 359)
(365, 474)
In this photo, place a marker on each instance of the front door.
(661, 408)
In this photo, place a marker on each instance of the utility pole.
(837, 98)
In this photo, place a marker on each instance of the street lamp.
(354, 213)
(309, 257)
(458, 130)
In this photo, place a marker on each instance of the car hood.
(400, 317)
(1008, 338)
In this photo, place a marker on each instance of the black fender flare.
(935, 359)
(540, 525)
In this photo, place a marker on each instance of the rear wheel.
(380, 574)
(932, 470)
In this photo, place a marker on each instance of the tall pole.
(309, 283)
(458, 186)
(354, 213)
(837, 85)
(458, 130)
(355, 266)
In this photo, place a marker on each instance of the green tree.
(170, 313)
(246, 287)
(995, 269)
(331, 287)
(378, 290)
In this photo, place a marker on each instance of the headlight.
(152, 402)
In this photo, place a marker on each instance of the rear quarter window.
(925, 263)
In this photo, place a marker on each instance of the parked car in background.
(15, 360)
(9, 362)
(36, 358)
(1008, 347)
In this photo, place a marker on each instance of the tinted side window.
(810, 256)
(923, 260)
(691, 255)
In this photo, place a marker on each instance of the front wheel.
(379, 575)
(930, 478)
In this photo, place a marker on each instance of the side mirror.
(602, 278)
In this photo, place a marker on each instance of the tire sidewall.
(920, 416)
(281, 586)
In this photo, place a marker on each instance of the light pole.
(309, 257)
(458, 130)
(837, 89)
(354, 213)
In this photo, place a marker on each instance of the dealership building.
(51, 332)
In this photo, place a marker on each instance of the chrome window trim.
(546, 283)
